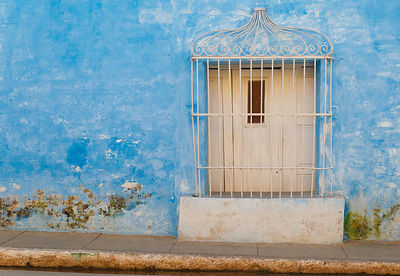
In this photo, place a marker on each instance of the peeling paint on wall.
(71, 211)
(362, 226)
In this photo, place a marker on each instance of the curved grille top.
(260, 37)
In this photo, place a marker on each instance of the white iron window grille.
(262, 111)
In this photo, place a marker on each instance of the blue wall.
(97, 93)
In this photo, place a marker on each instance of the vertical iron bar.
(251, 92)
(324, 129)
(209, 124)
(230, 96)
(295, 124)
(270, 125)
(242, 122)
(251, 118)
(219, 131)
(194, 136)
(282, 139)
(331, 125)
(314, 125)
(261, 119)
(251, 121)
(198, 124)
(302, 138)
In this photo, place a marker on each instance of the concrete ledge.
(37, 258)
(254, 220)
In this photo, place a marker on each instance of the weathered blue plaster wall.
(96, 93)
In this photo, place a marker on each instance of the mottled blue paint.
(77, 153)
(104, 86)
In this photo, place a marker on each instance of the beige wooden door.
(251, 143)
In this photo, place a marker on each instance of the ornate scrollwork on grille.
(262, 37)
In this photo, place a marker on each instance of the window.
(262, 111)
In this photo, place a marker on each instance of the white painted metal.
(272, 151)
(198, 125)
(230, 152)
(194, 137)
(250, 173)
(270, 130)
(281, 140)
(260, 37)
(241, 120)
(262, 119)
(330, 125)
(314, 124)
(220, 124)
(208, 125)
(294, 97)
(322, 182)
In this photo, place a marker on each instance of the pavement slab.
(51, 240)
(130, 243)
(372, 251)
(54, 250)
(215, 249)
(301, 251)
(8, 235)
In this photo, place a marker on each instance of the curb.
(88, 259)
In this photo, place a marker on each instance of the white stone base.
(254, 220)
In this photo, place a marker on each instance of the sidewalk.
(123, 252)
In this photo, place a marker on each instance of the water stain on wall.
(361, 226)
(70, 211)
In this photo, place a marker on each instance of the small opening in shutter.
(256, 102)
